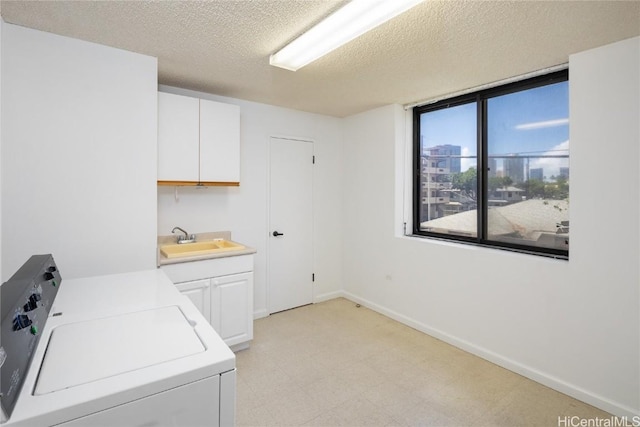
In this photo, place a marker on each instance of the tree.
(496, 182)
(535, 188)
(466, 181)
(558, 190)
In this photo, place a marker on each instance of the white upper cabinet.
(198, 141)
(219, 142)
(178, 138)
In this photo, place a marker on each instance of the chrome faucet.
(187, 238)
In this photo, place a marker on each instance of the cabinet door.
(232, 307)
(178, 137)
(219, 142)
(199, 292)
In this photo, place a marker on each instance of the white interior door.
(291, 224)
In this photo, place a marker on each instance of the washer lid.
(82, 352)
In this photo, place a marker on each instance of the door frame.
(268, 208)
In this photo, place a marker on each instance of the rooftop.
(527, 218)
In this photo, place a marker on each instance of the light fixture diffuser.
(344, 25)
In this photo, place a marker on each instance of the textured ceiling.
(438, 47)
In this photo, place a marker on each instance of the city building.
(435, 184)
(447, 156)
(438, 164)
(514, 168)
(493, 168)
(536, 173)
(564, 172)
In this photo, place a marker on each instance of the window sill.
(499, 250)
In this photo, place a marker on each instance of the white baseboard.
(327, 296)
(263, 312)
(550, 381)
(259, 314)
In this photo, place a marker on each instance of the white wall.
(572, 325)
(243, 210)
(78, 154)
(605, 236)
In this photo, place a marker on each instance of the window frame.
(480, 98)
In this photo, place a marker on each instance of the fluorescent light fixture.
(344, 25)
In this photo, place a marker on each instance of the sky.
(531, 122)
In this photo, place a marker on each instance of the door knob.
(276, 234)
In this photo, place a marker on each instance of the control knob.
(30, 305)
(32, 302)
(21, 321)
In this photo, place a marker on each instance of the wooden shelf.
(196, 184)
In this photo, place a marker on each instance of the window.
(496, 165)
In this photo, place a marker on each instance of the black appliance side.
(26, 301)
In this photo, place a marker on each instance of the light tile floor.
(334, 364)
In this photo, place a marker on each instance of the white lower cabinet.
(199, 292)
(222, 290)
(232, 307)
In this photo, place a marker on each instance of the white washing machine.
(115, 350)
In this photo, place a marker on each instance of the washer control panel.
(26, 301)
